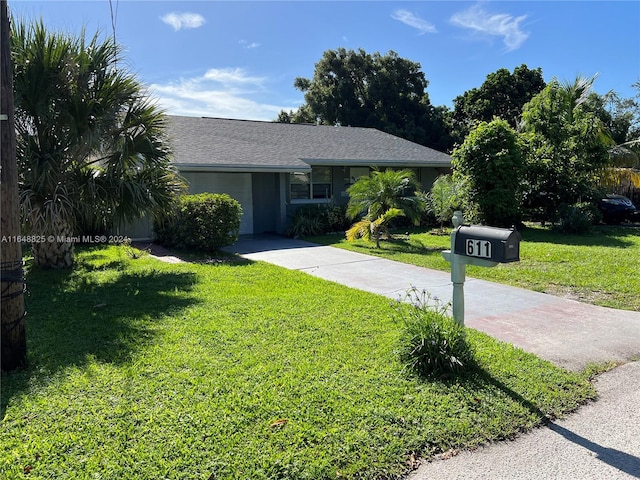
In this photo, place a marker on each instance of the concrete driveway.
(566, 332)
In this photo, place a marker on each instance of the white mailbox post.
(477, 245)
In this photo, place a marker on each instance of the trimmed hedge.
(205, 221)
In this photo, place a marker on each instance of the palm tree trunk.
(57, 251)
(12, 332)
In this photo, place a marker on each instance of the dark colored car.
(617, 209)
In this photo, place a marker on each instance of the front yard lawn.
(599, 268)
(146, 370)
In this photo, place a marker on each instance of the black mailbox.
(491, 243)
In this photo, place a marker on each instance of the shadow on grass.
(395, 245)
(83, 314)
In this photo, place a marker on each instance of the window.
(300, 183)
(355, 173)
(314, 185)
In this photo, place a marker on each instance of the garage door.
(236, 185)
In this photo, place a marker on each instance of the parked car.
(617, 209)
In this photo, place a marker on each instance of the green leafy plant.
(444, 198)
(206, 221)
(317, 220)
(489, 165)
(373, 230)
(375, 194)
(91, 144)
(578, 218)
(431, 343)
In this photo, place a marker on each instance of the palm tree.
(382, 190)
(372, 230)
(90, 144)
(378, 194)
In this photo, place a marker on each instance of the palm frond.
(85, 125)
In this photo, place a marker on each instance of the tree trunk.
(12, 331)
(58, 253)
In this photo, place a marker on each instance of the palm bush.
(375, 194)
(380, 198)
(91, 145)
(373, 230)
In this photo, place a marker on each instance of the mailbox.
(490, 243)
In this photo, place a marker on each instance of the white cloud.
(183, 20)
(249, 45)
(233, 78)
(414, 21)
(224, 93)
(495, 24)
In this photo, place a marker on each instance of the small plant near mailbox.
(431, 342)
(206, 222)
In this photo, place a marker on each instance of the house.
(272, 168)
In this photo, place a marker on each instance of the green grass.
(144, 370)
(599, 268)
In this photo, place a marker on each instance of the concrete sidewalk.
(600, 441)
(566, 332)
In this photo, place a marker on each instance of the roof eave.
(382, 163)
(211, 167)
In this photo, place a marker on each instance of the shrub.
(444, 198)
(318, 219)
(490, 163)
(431, 342)
(303, 225)
(578, 218)
(206, 221)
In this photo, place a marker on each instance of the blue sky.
(238, 59)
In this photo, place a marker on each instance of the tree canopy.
(567, 146)
(503, 94)
(359, 89)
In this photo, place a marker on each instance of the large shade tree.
(90, 142)
(359, 89)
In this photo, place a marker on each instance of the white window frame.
(311, 184)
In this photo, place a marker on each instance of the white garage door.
(236, 185)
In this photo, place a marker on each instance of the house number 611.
(478, 248)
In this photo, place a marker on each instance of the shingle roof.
(247, 145)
